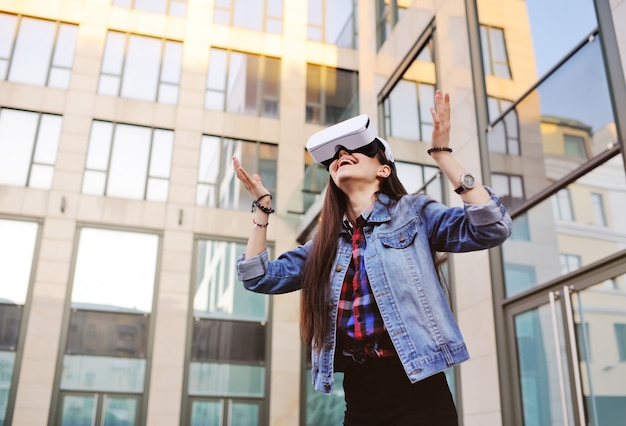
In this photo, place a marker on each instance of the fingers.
(252, 183)
(441, 119)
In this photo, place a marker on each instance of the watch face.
(468, 181)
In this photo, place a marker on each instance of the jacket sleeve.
(283, 275)
(468, 228)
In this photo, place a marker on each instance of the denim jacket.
(401, 237)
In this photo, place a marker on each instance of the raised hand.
(441, 120)
(252, 183)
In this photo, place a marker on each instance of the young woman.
(372, 305)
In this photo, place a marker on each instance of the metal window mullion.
(18, 23)
(576, 386)
(54, 48)
(261, 85)
(108, 168)
(150, 154)
(553, 295)
(160, 82)
(32, 154)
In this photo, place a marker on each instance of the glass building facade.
(121, 219)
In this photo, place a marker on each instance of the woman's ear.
(384, 171)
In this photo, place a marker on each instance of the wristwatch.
(466, 182)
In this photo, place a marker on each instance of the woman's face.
(357, 168)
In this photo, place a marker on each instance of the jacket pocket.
(400, 238)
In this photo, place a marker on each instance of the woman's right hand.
(252, 183)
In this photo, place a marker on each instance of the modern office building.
(121, 219)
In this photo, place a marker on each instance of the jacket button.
(338, 268)
(326, 386)
(330, 306)
(327, 345)
(402, 238)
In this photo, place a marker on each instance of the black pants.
(378, 392)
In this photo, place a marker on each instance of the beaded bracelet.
(439, 149)
(260, 225)
(266, 210)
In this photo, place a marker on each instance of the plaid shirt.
(360, 326)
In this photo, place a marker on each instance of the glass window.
(217, 184)
(128, 161)
(176, 8)
(503, 137)
(597, 204)
(243, 83)
(331, 94)
(28, 147)
(98, 409)
(115, 270)
(333, 22)
(229, 347)
(421, 178)
(407, 111)
(574, 146)
(36, 51)
(495, 59)
(256, 15)
(561, 239)
(388, 13)
(17, 250)
(140, 67)
(509, 188)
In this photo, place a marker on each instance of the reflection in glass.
(10, 318)
(331, 94)
(217, 184)
(417, 177)
(242, 83)
(78, 410)
(140, 67)
(602, 350)
(332, 22)
(218, 293)
(566, 120)
(204, 413)
(228, 341)
(115, 270)
(538, 367)
(119, 411)
(128, 161)
(244, 414)
(107, 334)
(43, 53)
(322, 409)
(564, 234)
(17, 248)
(7, 361)
(213, 379)
(255, 15)
(104, 374)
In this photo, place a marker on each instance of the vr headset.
(356, 134)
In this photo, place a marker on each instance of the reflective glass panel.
(206, 413)
(212, 379)
(244, 414)
(129, 162)
(551, 233)
(249, 14)
(141, 68)
(10, 317)
(17, 141)
(573, 104)
(115, 270)
(7, 361)
(218, 293)
(78, 410)
(540, 375)
(103, 374)
(601, 346)
(322, 409)
(33, 51)
(107, 334)
(17, 249)
(228, 341)
(420, 178)
(119, 411)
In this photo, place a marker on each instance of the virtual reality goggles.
(356, 134)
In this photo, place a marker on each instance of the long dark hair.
(314, 312)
